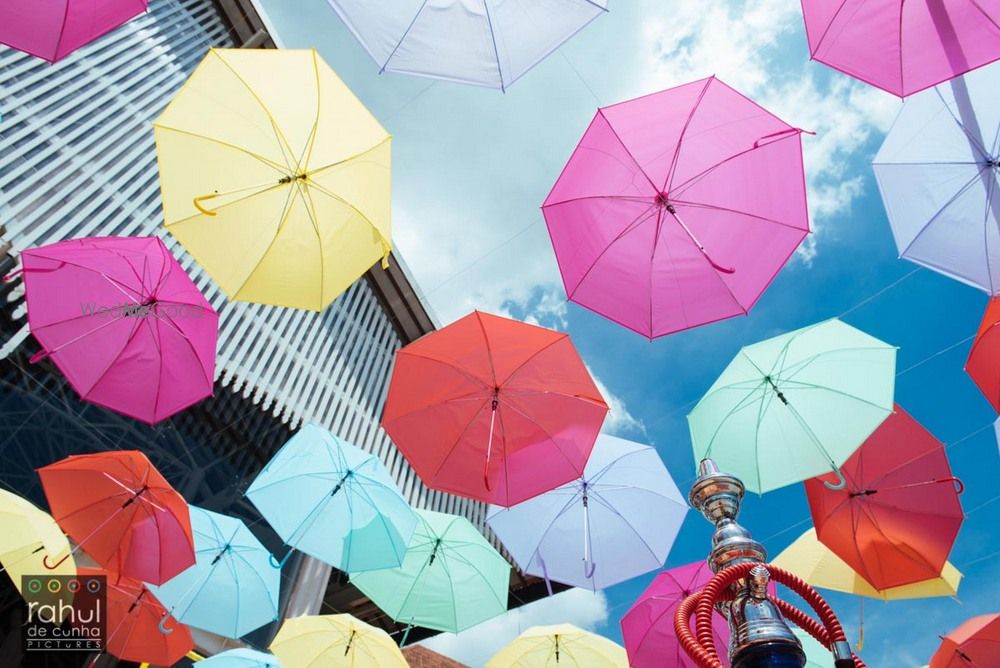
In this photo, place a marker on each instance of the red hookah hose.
(702, 648)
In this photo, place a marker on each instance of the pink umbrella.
(648, 626)
(52, 29)
(678, 208)
(903, 47)
(123, 323)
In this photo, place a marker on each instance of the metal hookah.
(758, 623)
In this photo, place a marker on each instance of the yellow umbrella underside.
(561, 646)
(337, 641)
(27, 537)
(275, 177)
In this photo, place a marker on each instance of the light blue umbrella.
(232, 589)
(334, 502)
(241, 658)
(617, 521)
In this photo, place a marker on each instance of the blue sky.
(471, 167)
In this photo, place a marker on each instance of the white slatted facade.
(77, 158)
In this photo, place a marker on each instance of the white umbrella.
(619, 520)
(488, 43)
(938, 173)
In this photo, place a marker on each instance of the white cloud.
(620, 422)
(475, 646)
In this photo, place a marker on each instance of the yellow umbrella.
(27, 536)
(334, 641)
(563, 645)
(816, 564)
(275, 177)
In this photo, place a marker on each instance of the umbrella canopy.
(559, 645)
(285, 201)
(795, 406)
(335, 502)
(133, 623)
(451, 578)
(232, 589)
(983, 365)
(902, 47)
(478, 406)
(678, 208)
(937, 172)
(974, 644)
(30, 538)
(898, 516)
(336, 641)
(123, 323)
(817, 656)
(54, 29)
(615, 522)
(648, 626)
(122, 512)
(819, 566)
(241, 658)
(488, 43)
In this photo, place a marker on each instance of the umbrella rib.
(652, 262)
(382, 517)
(680, 189)
(803, 386)
(745, 401)
(714, 207)
(311, 143)
(329, 193)
(547, 435)
(493, 38)
(455, 367)
(642, 540)
(264, 188)
(975, 142)
(458, 441)
(113, 361)
(635, 224)
(471, 564)
(403, 37)
(583, 198)
(680, 140)
(312, 173)
(276, 166)
(286, 211)
(829, 25)
(489, 351)
(990, 190)
(169, 321)
(314, 220)
(628, 152)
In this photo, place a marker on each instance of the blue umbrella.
(241, 658)
(232, 589)
(334, 502)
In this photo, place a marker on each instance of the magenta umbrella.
(123, 323)
(648, 626)
(677, 209)
(903, 47)
(52, 29)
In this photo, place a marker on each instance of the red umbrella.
(119, 509)
(493, 409)
(132, 631)
(983, 364)
(974, 644)
(897, 518)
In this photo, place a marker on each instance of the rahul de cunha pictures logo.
(65, 613)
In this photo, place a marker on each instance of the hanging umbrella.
(678, 209)
(334, 641)
(488, 43)
(615, 522)
(983, 365)
(795, 406)
(451, 578)
(493, 409)
(275, 177)
(898, 516)
(937, 172)
(903, 47)
(29, 538)
(232, 589)
(335, 502)
(817, 656)
(53, 30)
(819, 566)
(648, 626)
(123, 323)
(241, 658)
(559, 645)
(974, 644)
(122, 512)
(132, 623)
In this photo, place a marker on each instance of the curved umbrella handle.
(163, 629)
(588, 569)
(197, 204)
(841, 484)
(45, 562)
(279, 564)
(959, 485)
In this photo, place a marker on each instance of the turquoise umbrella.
(451, 578)
(232, 589)
(795, 406)
(241, 658)
(335, 502)
(817, 656)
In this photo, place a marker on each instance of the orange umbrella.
(132, 623)
(974, 644)
(897, 518)
(983, 365)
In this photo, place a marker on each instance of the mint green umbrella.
(817, 656)
(450, 579)
(795, 406)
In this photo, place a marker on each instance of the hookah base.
(770, 655)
